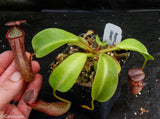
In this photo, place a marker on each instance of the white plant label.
(112, 34)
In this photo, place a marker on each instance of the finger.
(7, 73)
(14, 111)
(36, 68)
(34, 85)
(10, 88)
(6, 59)
(11, 69)
(20, 94)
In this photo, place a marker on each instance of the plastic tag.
(112, 34)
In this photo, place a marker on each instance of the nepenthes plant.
(66, 73)
(106, 66)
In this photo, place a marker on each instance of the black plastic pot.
(80, 95)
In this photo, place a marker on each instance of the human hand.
(13, 87)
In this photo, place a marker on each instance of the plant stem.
(85, 43)
(59, 98)
(143, 64)
(108, 49)
(89, 108)
(98, 48)
(89, 47)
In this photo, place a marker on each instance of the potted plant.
(85, 54)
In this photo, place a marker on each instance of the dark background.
(38, 5)
(139, 19)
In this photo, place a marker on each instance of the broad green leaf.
(82, 43)
(131, 44)
(65, 75)
(99, 42)
(117, 64)
(50, 39)
(135, 45)
(106, 79)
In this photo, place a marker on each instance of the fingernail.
(16, 76)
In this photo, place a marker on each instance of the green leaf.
(135, 45)
(82, 43)
(95, 65)
(99, 42)
(50, 39)
(106, 79)
(65, 75)
(117, 64)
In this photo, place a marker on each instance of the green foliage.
(106, 79)
(118, 66)
(131, 44)
(65, 75)
(82, 43)
(95, 66)
(99, 42)
(134, 45)
(50, 39)
(107, 68)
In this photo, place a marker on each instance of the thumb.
(10, 88)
